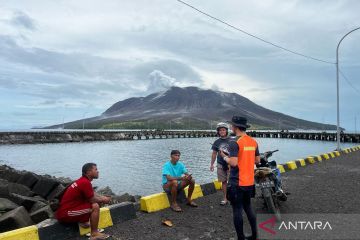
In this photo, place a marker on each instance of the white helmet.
(222, 125)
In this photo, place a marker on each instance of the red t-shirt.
(76, 194)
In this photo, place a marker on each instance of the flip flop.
(176, 208)
(100, 230)
(100, 236)
(84, 224)
(223, 203)
(192, 204)
(167, 222)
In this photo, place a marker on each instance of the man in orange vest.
(243, 154)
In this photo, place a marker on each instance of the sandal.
(99, 236)
(223, 203)
(176, 208)
(84, 224)
(100, 230)
(192, 204)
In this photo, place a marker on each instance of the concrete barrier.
(155, 202)
(53, 230)
(290, 166)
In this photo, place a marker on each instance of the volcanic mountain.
(190, 108)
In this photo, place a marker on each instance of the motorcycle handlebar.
(269, 153)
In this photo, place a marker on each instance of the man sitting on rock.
(175, 178)
(80, 204)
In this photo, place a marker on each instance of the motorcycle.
(268, 179)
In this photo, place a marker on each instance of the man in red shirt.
(79, 202)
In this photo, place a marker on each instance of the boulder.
(105, 191)
(20, 189)
(14, 219)
(44, 186)
(40, 199)
(42, 214)
(4, 190)
(56, 192)
(123, 198)
(37, 206)
(28, 179)
(24, 201)
(9, 173)
(7, 205)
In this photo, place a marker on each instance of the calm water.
(135, 166)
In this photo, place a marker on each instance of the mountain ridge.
(200, 107)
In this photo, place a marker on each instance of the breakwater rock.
(27, 198)
(60, 137)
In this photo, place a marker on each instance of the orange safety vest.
(246, 160)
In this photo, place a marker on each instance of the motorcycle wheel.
(269, 200)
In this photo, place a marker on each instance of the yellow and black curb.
(160, 201)
(118, 213)
(292, 165)
(53, 230)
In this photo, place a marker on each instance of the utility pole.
(337, 90)
(355, 124)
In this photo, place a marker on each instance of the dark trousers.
(241, 199)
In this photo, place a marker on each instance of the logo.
(270, 222)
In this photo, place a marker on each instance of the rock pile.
(27, 198)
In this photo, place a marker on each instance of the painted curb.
(293, 165)
(51, 229)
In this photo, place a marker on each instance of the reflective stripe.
(249, 148)
(79, 212)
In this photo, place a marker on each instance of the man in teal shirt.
(175, 177)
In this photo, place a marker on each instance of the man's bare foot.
(176, 207)
(99, 236)
(192, 204)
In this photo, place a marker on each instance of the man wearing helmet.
(221, 144)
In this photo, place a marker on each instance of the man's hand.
(187, 177)
(212, 167)
(106, 199)
(222, 154)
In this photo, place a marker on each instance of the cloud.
(21, 19)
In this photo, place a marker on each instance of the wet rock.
(26, 202)
(20, 189)
(37, 206)
(9, 173)
(7, 205)
(64, 181)
(28, 179)
(105, 191)
(123, 198)
(4, 190)
(42, 214)
(44, 186)
(14, 219)
(56, 192)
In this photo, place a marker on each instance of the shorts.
(222, 175)
(167, 188)
(80, 213)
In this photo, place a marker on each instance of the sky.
(66, 60)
